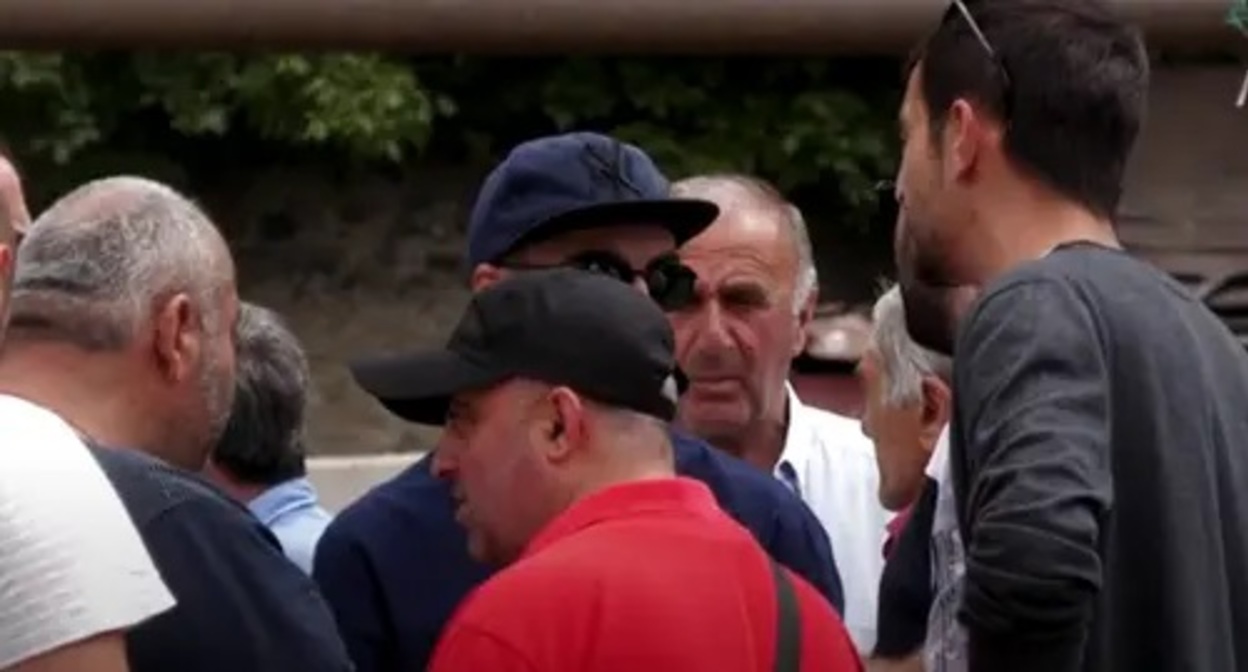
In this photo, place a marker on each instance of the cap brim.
(683, 217)
(419, 386)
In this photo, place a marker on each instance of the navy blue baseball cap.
(574, 181)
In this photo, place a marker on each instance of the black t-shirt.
(241, 605)
(906, 583)
(1100, 461)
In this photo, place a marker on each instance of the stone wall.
(364, 262)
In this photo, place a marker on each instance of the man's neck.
(1027, 222)
(239, 491)
(82, 390)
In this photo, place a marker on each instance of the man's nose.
(712, 325)
(443, 465)
(639, 283)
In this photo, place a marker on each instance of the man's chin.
(930, 316)
(716, 428)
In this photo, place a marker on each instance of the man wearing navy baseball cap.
(395, 565)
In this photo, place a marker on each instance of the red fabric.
(894, 527)
(643, 576)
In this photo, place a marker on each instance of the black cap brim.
(418, 387)
(685, 218)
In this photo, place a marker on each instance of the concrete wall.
(371, 262)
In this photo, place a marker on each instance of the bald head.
(746, 201)
(93, 266)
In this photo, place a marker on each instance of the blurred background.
(340, 150)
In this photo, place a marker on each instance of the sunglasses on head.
(668, 281)
(959, 8)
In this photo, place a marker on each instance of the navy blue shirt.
(394, 565)
(241, 605)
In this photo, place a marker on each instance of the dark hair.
(1067, 77)
(263, 442)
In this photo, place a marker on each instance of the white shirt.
(72, 565)
(945, 647)
(836, 475)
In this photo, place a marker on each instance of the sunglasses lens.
(603, 264)
(671, 285)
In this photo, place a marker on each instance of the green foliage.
(806, 124)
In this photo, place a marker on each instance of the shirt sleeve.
(1032, 402)
(224, 567)
(345, 576)
(467, 648)
(72, 565)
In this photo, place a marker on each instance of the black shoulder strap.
(789, 623)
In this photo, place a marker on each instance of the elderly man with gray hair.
(261, 458)
(122, 322)
(755, 295)
(907, 410)
(908, 402)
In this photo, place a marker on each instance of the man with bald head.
(122, 322)
(755, 295)
(66, 614)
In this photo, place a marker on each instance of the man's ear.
(177, 338)
(967, 133)
(563, 431)
(484, 275)
(937, 408)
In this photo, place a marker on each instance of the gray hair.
(765, 194)
(903, 362)
(94, 266)
(263, 442)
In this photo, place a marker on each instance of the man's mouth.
(714, 385)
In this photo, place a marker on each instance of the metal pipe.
(535, 26)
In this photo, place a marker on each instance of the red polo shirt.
(649, 575)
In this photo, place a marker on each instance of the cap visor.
(683, 217)
(418, 387)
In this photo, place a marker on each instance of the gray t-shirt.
(1100, 461)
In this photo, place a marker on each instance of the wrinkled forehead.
(748, 241)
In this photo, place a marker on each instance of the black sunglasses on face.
(959, 8)
(669, 282)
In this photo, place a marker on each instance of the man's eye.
(745, 297)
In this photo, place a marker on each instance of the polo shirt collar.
(626, 500)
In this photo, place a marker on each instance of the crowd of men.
(1050, 473)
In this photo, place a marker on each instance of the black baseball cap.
(560, 326)
(572, 181)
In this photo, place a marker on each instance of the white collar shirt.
(830, 464)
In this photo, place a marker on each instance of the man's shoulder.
(412, 508)
(727, 476)
(26, 421)
(530, 583)
(151, 489)
(37, 442)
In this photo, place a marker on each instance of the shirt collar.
(798, 436)
(939, 460)
(626, 500)
(283, 498)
